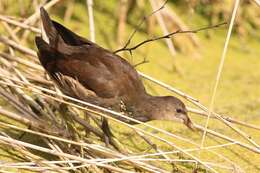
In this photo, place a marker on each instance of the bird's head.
(170, 108)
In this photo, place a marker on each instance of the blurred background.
(186, 61)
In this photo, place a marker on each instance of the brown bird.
(87, 71)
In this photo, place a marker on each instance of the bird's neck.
(143, 107)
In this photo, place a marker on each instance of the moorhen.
(84, 70)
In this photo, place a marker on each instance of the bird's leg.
(75, 89)
(107, 131)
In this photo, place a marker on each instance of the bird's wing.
(102, 72)
(97, 69)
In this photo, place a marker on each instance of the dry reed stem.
(69, 11)
(231, 120)
(114, 119)
(2, 171)
(28, 155)
(89, 161)
(257, 2)
(220, 68)
(10, 32)
(36, 15)
(32, 86)
(19, 24)
(91, 106)
(196, 103)
(92, 147)
(25, 62)
(161, 22)
(31, 165)
(38, 67)
(13, 44)
(253, 149)
(147, 125)
(91, 20)
(168, 87)
(54, 152)
(22, 165)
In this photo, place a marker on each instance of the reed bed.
(45, 130)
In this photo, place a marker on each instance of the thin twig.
(227, 118)
(139, 25)
(169, 36)
(142, 62)
(164, 28)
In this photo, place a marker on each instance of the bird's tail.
(56, 31)
(70, 37)
(45, 51)
(49, 29)
(56, 41)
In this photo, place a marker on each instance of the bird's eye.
(178, 110)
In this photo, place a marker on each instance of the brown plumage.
(87, 71)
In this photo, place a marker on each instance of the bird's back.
(97, 69)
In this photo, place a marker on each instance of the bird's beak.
(189, 124)
(186, 120)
